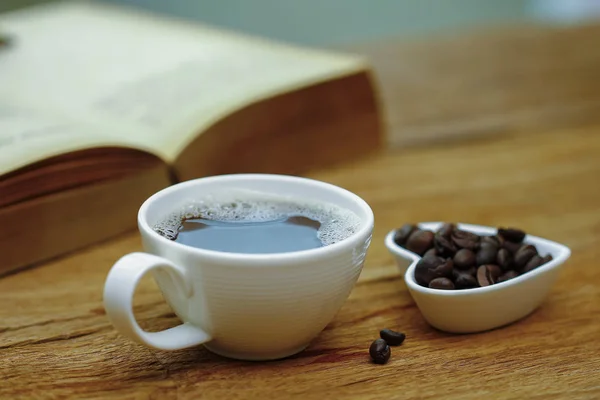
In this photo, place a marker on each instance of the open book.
(100, 106)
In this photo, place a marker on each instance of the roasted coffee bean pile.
(456, 259)
(379, 350)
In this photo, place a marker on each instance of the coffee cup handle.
(119, 289)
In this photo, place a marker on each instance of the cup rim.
(266, 259)
(563, 254)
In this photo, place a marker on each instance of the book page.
(26, 133)
(149, 82)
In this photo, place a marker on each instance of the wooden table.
(56, 342)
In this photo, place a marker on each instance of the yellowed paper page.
(140, 80)
(27, 133)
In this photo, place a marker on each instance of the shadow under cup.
(258, 306)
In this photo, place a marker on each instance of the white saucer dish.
(483, 308)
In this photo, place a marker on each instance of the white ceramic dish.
(481, 309)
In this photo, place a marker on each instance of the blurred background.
(438, 71)
(341, 22)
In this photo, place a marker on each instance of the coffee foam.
(337, 223)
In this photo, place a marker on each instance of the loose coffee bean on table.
(392, 338)
(380, 351)
(454, 259)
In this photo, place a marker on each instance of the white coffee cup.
(243, 306)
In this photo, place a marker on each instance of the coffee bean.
(496, 240)
(453, 258)
(504, 259)
(465, 240)
(444, 246)
(488, 274)
(401, 235)
(464, 280)
(512, 234)
(533, 263)
(446, 230)
(392, 338)
(495, 270)
(380, 351)
(547, 258)
(429, 268)
(426, 264)
(445, 270)
(457, 272)
(512, 247)
(493, 240)
(431, 252)
(420, 241)
(508, 275)
(500, 240)
(486, 254)
(441, 283)
(524, 254)
(464, 259)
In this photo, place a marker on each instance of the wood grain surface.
(56, 342)
(485, 81)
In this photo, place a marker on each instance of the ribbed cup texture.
(253, 310)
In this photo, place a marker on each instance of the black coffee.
(257, 223)
(282, 235)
